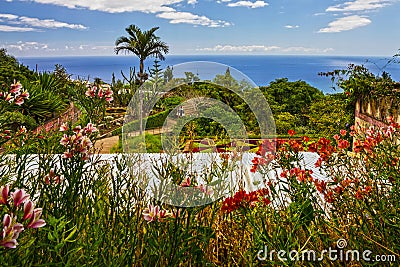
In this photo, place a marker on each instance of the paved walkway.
(106, 144)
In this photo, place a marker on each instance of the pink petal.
(37, 224)
(9, 244)
(19, 197)
(6, 220)
(28, 208)
(4, 194)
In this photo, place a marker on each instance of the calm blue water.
(260, 69)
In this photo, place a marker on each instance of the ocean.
(258, 68)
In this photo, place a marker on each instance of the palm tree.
(143, 44)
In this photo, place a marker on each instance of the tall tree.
(143, 44)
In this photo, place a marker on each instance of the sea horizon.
(262, 69)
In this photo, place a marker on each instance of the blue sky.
(267, 27)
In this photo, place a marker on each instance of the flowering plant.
(94, 99)
(18, 212)
(101, 92)
(78, 143)
(16, 94)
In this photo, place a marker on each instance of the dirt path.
(106, 144)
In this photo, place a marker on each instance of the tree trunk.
(141, 79)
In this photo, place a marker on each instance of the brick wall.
(72, 114)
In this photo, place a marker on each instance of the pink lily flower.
(64, 127)
(15, 87)
(10, 232)
(28, 210)
(4, 194)
(7, 220)
(9, 98)
(108, 93)
(100, 93)
(86, 144)
(65, 140)
(19, 196)
(77, 129)
(90, 128)
(9, 243)
(77, 138)
(150, 214)
(24, 94)
(68, 154)
(163, 214)
(35, 221)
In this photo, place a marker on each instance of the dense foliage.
(11, 69)
(43, 95)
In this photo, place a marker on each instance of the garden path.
(106, 144)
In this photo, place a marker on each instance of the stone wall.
(72, 115)
(374, 111)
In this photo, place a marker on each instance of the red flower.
(291, 132)
(284, 174)
(243, 199)
(320, 185)
(343, 144)
(359, 194)
(329, 197)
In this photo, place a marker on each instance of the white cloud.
(249, 4)
(263, 49)
(8, 16)
(27, 46)
(22, 48)
(162, 8)
(346, 24)
(7, 28)
(116, 6)
(352, 11)
(239, 48)
(37, 23)
(49, 23)
(307, 50)
(360, 5)
(292, 26)
(189, 18)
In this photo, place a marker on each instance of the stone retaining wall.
(72, 115)
(370, 111)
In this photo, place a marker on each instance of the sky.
(247, 27)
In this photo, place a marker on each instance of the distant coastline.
(260, 68)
